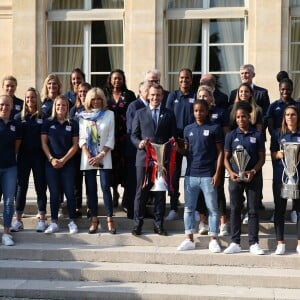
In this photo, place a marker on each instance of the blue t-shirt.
(47, 107)
(60, 136)
(276, 139)
(75, 111)
(31, 134)
(253, 141)
(9, 133)
(218, 115)
(276, 110)
(202, 154)
(71, 97)
(18, 105)
(182, 106)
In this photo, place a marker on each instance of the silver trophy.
(241, 159)
(160, 183)
(290, 177)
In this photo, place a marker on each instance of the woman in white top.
(96, 138)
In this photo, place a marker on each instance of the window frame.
(87, 16)
(205, 15)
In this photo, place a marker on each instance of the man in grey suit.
(261, 96)
(159, 131)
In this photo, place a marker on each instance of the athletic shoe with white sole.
(280, 249)
(224, 230)
(214, 246)
(203, 228)
(233, 248)
(52, 228)
(186, 245)
(17, 226)
(72, 227)
(41, 226)
(255, 249)
(7, 240)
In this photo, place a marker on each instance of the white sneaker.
(73, 227)
(186, 245)
(203, 228)
(41, 226)
(255, 249)
(7, 240)
(280, 249)
(173, 215)
(298, 249)
(245, 219)
(294, 216)
(233, 248)
(214, 246)
(17, 226)
(224, 230)
(52, 227)
(197, 216)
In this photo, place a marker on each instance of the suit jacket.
(261, 96)
(130, 113)
(143, 128)
(221, 99)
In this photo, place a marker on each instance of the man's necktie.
(154, 116)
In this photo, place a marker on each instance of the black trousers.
(279, 213)
(253, 193)
(141, 198)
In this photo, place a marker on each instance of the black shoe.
(136, 231)
(78, 214)
(160, 230)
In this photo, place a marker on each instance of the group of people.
(64, 138)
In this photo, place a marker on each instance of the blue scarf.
(91, 129)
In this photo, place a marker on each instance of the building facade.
(208, 36)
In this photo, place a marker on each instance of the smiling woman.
(60, 143)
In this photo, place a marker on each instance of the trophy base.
(290, 191)
(159, 185)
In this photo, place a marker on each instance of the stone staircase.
(121, 266)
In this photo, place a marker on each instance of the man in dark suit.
(261, 95)
(130, 183)
(221, 99)
(157, 124)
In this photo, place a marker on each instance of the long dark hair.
(109, 86)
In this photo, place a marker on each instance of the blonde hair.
(11, 78)
(255, 108)
(38, 112)
(207, 89)
(9, 98)
(93, 93)
(44, 88)
(54, 114)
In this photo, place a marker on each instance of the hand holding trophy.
(241, 159)
(290, 176)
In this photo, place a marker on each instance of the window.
(207, 37)
(85, 34)
(294, 60)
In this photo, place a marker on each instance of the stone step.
(146, 254)
(124, 224)
(150, 273)
(148, 238)
(31, 210)
(78, 290)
